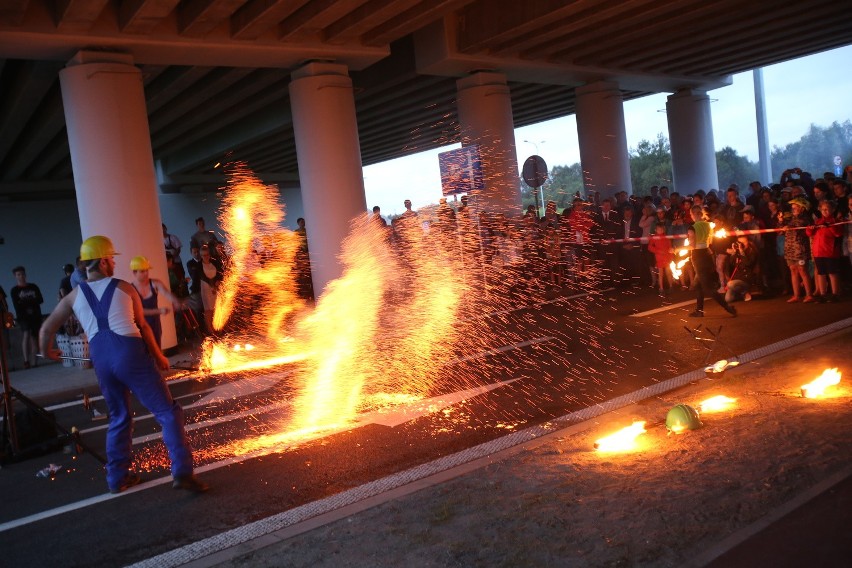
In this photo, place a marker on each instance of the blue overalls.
(154, 322)
(122, 364)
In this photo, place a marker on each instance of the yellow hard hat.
(97, 247)
(139, 263)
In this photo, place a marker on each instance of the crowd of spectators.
(627, 241)
(793, 237)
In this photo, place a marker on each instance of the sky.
(810, 90)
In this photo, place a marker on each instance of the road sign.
(461, 170)
(535, 171)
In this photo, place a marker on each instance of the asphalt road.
(536, 364)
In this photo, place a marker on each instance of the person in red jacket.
(825, 245)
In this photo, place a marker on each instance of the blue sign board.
(461, 170)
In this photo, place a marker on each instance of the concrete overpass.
(306, 92)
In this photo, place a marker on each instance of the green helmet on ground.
(682, 417)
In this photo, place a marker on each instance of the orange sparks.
(816, 388)
(622, 441)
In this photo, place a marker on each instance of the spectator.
(731, 211)
(65, 284)
(408, 213)
(173, 247)
(79, 274)
(203, 237)
(825, 239)
(753, 198)
(847, 246)
(720, 245)
(661, 248)
(633, 266)
(580, 223)
(193, 271)
(661, 218)
(744, 277)
(302, 264)
(750, 223)
(840, 189)
(607, 229)
(27, 301)
(377, 217)
(210, 275)
(797, 248)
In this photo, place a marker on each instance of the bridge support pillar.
(485, 114)
(603, 139)
(113, 163)
(329, 155)
(691, 138)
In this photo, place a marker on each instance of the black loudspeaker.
(37, 435)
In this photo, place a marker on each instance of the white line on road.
(663, 309)
(287, 518)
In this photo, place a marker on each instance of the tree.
(815, 151)
(565, 183)
(650, 164)
(733, 168)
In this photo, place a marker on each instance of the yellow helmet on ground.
(97, 247)
(139, 263)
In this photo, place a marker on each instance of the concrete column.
(691, 138)
(603, 138)
(113, 164)
(329, 154)
(485, 114)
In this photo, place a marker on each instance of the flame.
(261, 253)
(622, 441)
(676, 266)
(721, 233)
(816, 388)
(402, 314)
(719, 403)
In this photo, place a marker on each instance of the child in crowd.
(825, 235)
(661, 248)
(797, 251)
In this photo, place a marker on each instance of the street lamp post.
(541, 188)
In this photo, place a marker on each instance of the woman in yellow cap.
(149, 290)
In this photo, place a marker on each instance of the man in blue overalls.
(124, 354)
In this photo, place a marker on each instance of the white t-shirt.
(120, 311)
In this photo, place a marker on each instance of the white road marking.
(431, 405)
(405, 412)
(502, 349)
(663, 309)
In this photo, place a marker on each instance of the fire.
(816, 388)
(721, 233)
(677, 266)
(261, 253)
(718, 403)
(622, 441)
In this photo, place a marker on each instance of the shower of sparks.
(260, 251)
(421, 309)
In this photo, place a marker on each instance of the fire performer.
(700, 237)
(125, 357)
(149, 290)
